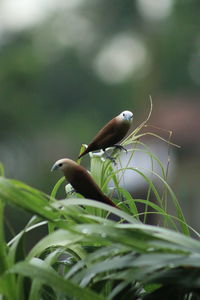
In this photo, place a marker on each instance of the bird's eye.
(123, 115)
(60, 165)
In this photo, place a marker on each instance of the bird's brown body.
(81, 180)
(112, 133)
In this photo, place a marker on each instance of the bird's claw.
(120, 147)
(69, 190)
(112, 159)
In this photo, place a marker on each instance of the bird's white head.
(126, 116)
(62, 164)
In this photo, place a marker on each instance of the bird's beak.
(55, 167)
(130, 118)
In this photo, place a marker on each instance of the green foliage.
(88, 254)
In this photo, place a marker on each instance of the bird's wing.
(107, 135)
(85, 185)
(111, 134)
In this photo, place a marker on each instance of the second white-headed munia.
(81, 180)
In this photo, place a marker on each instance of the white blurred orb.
(123, 56)
(155, 10)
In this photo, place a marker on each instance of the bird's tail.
(83, 153)
(109, 201)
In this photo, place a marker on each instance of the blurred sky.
(67, 67)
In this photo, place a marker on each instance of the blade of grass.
(2, 173)
(38, 269)
(86, 202)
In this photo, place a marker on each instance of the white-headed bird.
(81, 180)
(111, 134)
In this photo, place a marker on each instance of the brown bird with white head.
(81, 180)
(111, 134)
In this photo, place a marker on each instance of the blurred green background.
(67, 67)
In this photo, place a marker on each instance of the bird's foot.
(113, 160)
(120, 147)
(69, 190)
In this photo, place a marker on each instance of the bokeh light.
(124, 56)
(155, 10)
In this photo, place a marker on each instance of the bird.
(81, 180)
(111, 134)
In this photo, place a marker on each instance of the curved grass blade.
(38, 269)
(2, 173)
(61, 238)
(56, 187)
(93, 203)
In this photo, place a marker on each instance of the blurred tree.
(64, 76)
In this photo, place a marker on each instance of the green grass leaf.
(37, 268)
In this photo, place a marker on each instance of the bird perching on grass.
(81, 180)
(111, 134)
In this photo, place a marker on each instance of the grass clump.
(95, 251)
